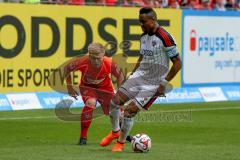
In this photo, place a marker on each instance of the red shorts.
(103, 96)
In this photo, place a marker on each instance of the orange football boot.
(109, 138)
(118, 147)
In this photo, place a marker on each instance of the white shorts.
(140, 91)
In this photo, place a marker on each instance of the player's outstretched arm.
(118, 74)
(72, 66)
(120, 79)
(177, 65)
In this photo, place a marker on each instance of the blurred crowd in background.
(221, 5)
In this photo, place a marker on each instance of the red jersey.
(95, 77)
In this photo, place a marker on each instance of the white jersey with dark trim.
(157, 50)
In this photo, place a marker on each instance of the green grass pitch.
(196, 131)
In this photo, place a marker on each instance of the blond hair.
(96, 49)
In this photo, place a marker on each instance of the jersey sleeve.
(169, 45)
(75, 64)
(171, 51)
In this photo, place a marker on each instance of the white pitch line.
(211, 109)
(23, 118)
(42, 117)
(179, 110)
(196, 110)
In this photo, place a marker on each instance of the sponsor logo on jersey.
(146, 52)
(94, 81)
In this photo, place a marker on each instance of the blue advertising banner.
(181, 95)
(45, 100)
(52, 99)
(4, 104)
(232, 93)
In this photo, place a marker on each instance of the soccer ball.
(141, 143)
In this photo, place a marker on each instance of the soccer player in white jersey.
(148, 79)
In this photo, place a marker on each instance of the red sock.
(86, 119)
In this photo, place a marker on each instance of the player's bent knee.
(119, 98)
(131, 110)
(129, 114)
(91, 102)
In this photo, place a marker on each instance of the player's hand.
(162, 88)
(72, 92)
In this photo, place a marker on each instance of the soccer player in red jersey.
(95, 85)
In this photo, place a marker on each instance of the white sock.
(114, 116)
(125, 129)
(121, 117)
